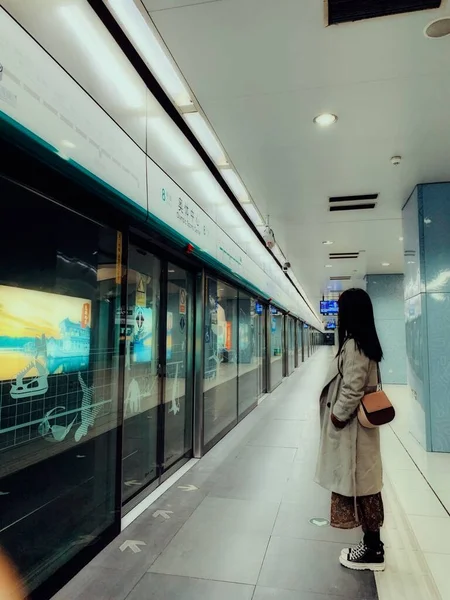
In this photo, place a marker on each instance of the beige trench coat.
(349, 459)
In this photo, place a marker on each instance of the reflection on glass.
(177, 402)
(59, 345)
(220, 358)
(277, 346)
(300, 342)
(307, 340)
(141, 372)
(250, 362)
(291, 344)
(261, 347)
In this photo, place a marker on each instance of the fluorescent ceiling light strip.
(206, 137)
(253, 213)
(277, 252)
(174, 141)
(236, 185)
(150, 47)
(106, 63)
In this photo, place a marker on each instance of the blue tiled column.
(386, 292)
(426, 225)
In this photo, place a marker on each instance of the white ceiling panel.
(156, 5)
(248, 47)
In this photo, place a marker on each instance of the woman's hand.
(337, 423)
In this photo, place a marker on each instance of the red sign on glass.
(85, 315)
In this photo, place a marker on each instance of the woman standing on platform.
(349, 462)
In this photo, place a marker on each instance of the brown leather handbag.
(376, 409)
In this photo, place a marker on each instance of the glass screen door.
(158, 403)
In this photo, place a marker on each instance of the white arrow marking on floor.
(132, 545)
(132, 482)
(319, 522)
(162, 513)
(188, 488)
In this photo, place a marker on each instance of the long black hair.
(356, 322)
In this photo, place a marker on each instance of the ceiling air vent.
(343, 255)
(341, 278)
(346, 11)
(346, 203)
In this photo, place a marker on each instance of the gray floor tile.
(261, 457)
(278, 433)
(179, 499)
(223, 555)
(215, 515)
(308, 566)
(273, 594)
(156, 533)
(293, 520)
(298, 410)
(252, 484)
(99, 583)
(155, 586)
(302, 489)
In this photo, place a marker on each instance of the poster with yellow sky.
(51, 328)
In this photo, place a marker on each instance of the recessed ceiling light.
(327, 243)
(68, 144)
(400, 239)
(328, 266)
(385, 264)
(438, 28)
(325, 119)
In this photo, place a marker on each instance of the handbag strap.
(380, 381)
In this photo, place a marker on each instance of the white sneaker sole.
(375, 567)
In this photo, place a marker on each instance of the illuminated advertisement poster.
(41, 334)
(169, 335)
(228, 339)
(143, 334)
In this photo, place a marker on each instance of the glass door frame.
(164, 256)
(302, 329)
(165, 473)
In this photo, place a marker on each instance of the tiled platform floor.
(245, 532)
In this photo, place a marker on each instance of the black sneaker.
(346, 551)
(363, 558)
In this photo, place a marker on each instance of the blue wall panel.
(386, 292)
(426, 226)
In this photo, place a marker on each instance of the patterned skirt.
(370, 512)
